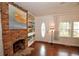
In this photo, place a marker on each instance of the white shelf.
(31, 33)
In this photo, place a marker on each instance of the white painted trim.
(30, 43)
(1, 43)
(30, 34)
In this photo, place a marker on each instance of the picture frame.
(17, 17)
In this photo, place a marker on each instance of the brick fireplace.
(17, 41)
(11, 37)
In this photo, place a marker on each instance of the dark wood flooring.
(47, 49)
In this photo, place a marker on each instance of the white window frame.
(71, 29)
(68, 31)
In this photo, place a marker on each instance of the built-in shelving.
(31, 28)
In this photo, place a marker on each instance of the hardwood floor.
(47, 49)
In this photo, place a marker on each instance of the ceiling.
(47, 8)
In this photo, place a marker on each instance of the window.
(64, 29)
(75, 29)
(67, 29)
(43, 29)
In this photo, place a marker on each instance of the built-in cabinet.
(31, 28)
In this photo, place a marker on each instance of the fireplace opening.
(19, 45)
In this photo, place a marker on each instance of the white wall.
(1, 43)
(50, 19)
(47, 20)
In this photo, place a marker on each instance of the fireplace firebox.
(19, 45)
